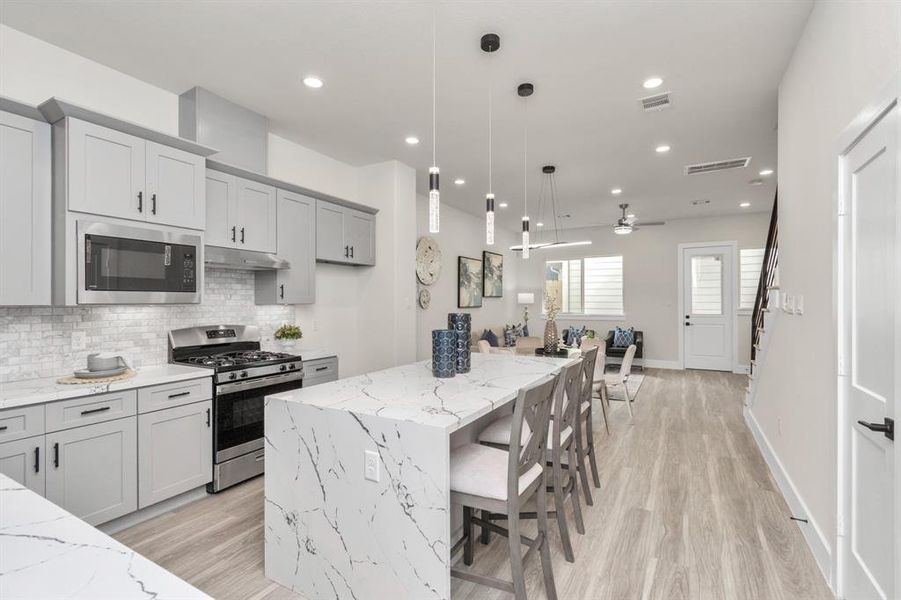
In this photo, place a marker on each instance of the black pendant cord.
(555, 207)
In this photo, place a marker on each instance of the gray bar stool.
(495, 481)
(561, 450)
(584, 430)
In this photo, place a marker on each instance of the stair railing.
(767, 276)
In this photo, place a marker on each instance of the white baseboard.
(647, 362)
(819, 546)
(742, 369)
(132, 519)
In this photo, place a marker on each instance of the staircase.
(766, 305)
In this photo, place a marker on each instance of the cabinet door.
(297, 244)
(175, 451)
(175, 186)
(361, 237)
(256, 216)
(24, 211)
(92, 471)
(106, 171)
(23, 462)
(330, 243)
(221, 209)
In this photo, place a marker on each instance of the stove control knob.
(243, 374)
(282, 368)
(292, 366)
(232, 375)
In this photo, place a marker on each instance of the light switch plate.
(371, 465)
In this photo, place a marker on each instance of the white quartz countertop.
(316, 354)
(411, 393)
(38, 391)
(45, 552)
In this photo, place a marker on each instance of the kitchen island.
(357, 475)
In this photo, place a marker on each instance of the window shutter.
(603, 291)
(751, 261)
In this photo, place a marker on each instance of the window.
(751, 262)
(707, 285)
(586, 286)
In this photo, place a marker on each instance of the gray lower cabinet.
(23, 462)
(344, 235)
(320, 370)
(297, 244)
(175, 451)
(24, 210)
(92, 470)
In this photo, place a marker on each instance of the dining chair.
(584, 430)
(561, 451)
(488, 479)
(621, 379)
(597, 383)
(484, 347)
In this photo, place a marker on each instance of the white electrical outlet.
(371, 465)
(79, 340)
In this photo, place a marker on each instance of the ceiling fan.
(629, 223)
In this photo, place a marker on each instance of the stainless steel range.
(244, 376)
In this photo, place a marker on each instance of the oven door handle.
(239, 386)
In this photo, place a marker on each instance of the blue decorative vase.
(461, 324)
(444, 353)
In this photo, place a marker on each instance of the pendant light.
(551, 185)
(434, 197)
(490, 43)
(525, 90)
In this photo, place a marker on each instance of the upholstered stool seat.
(498, 433)
(482, 471)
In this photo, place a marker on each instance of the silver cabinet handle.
(95, 410)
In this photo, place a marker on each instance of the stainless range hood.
(234, 258)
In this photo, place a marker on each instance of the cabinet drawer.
(323, 367)
(91, 409)
(159, 397)
(311, 381)
(22, 422)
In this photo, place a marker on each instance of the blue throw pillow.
(490, 337)
(623, 338)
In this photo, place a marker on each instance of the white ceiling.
(722, 61)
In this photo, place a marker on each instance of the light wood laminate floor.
(687, 509)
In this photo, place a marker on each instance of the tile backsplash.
(37, 341)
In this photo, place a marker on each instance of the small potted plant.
(287, 335)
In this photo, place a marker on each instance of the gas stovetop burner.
(237, 358)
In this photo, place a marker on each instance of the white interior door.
(869, 367)
(707, 290)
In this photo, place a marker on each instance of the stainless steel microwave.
(131, 265)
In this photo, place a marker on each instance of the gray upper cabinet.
(240, 213)
(175, 451)
(344, 235)
(25, 186)
(175, 183)
(256, 216)
(297, 244)
(119, 175)
(92, 470)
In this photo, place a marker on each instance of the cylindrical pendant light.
(434, 196)
(525, 90)
(490, 43)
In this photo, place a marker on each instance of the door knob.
(888, 428)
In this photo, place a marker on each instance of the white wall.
(32, 71)
(847, 53)
(462, 234)
(650, 276)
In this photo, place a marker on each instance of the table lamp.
(525, 298)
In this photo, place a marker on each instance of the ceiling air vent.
(656, 102)
(720, 165)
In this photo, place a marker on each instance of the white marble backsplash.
(37, 341)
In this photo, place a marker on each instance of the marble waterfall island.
(331, 532)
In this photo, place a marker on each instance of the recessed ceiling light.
(745, 204)
(662, 148)
(616, 191)
(539, 224)
(412, 140)
(503, 205)
(651, 83)
(459, 181)
(766, 172)
(312, 81)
